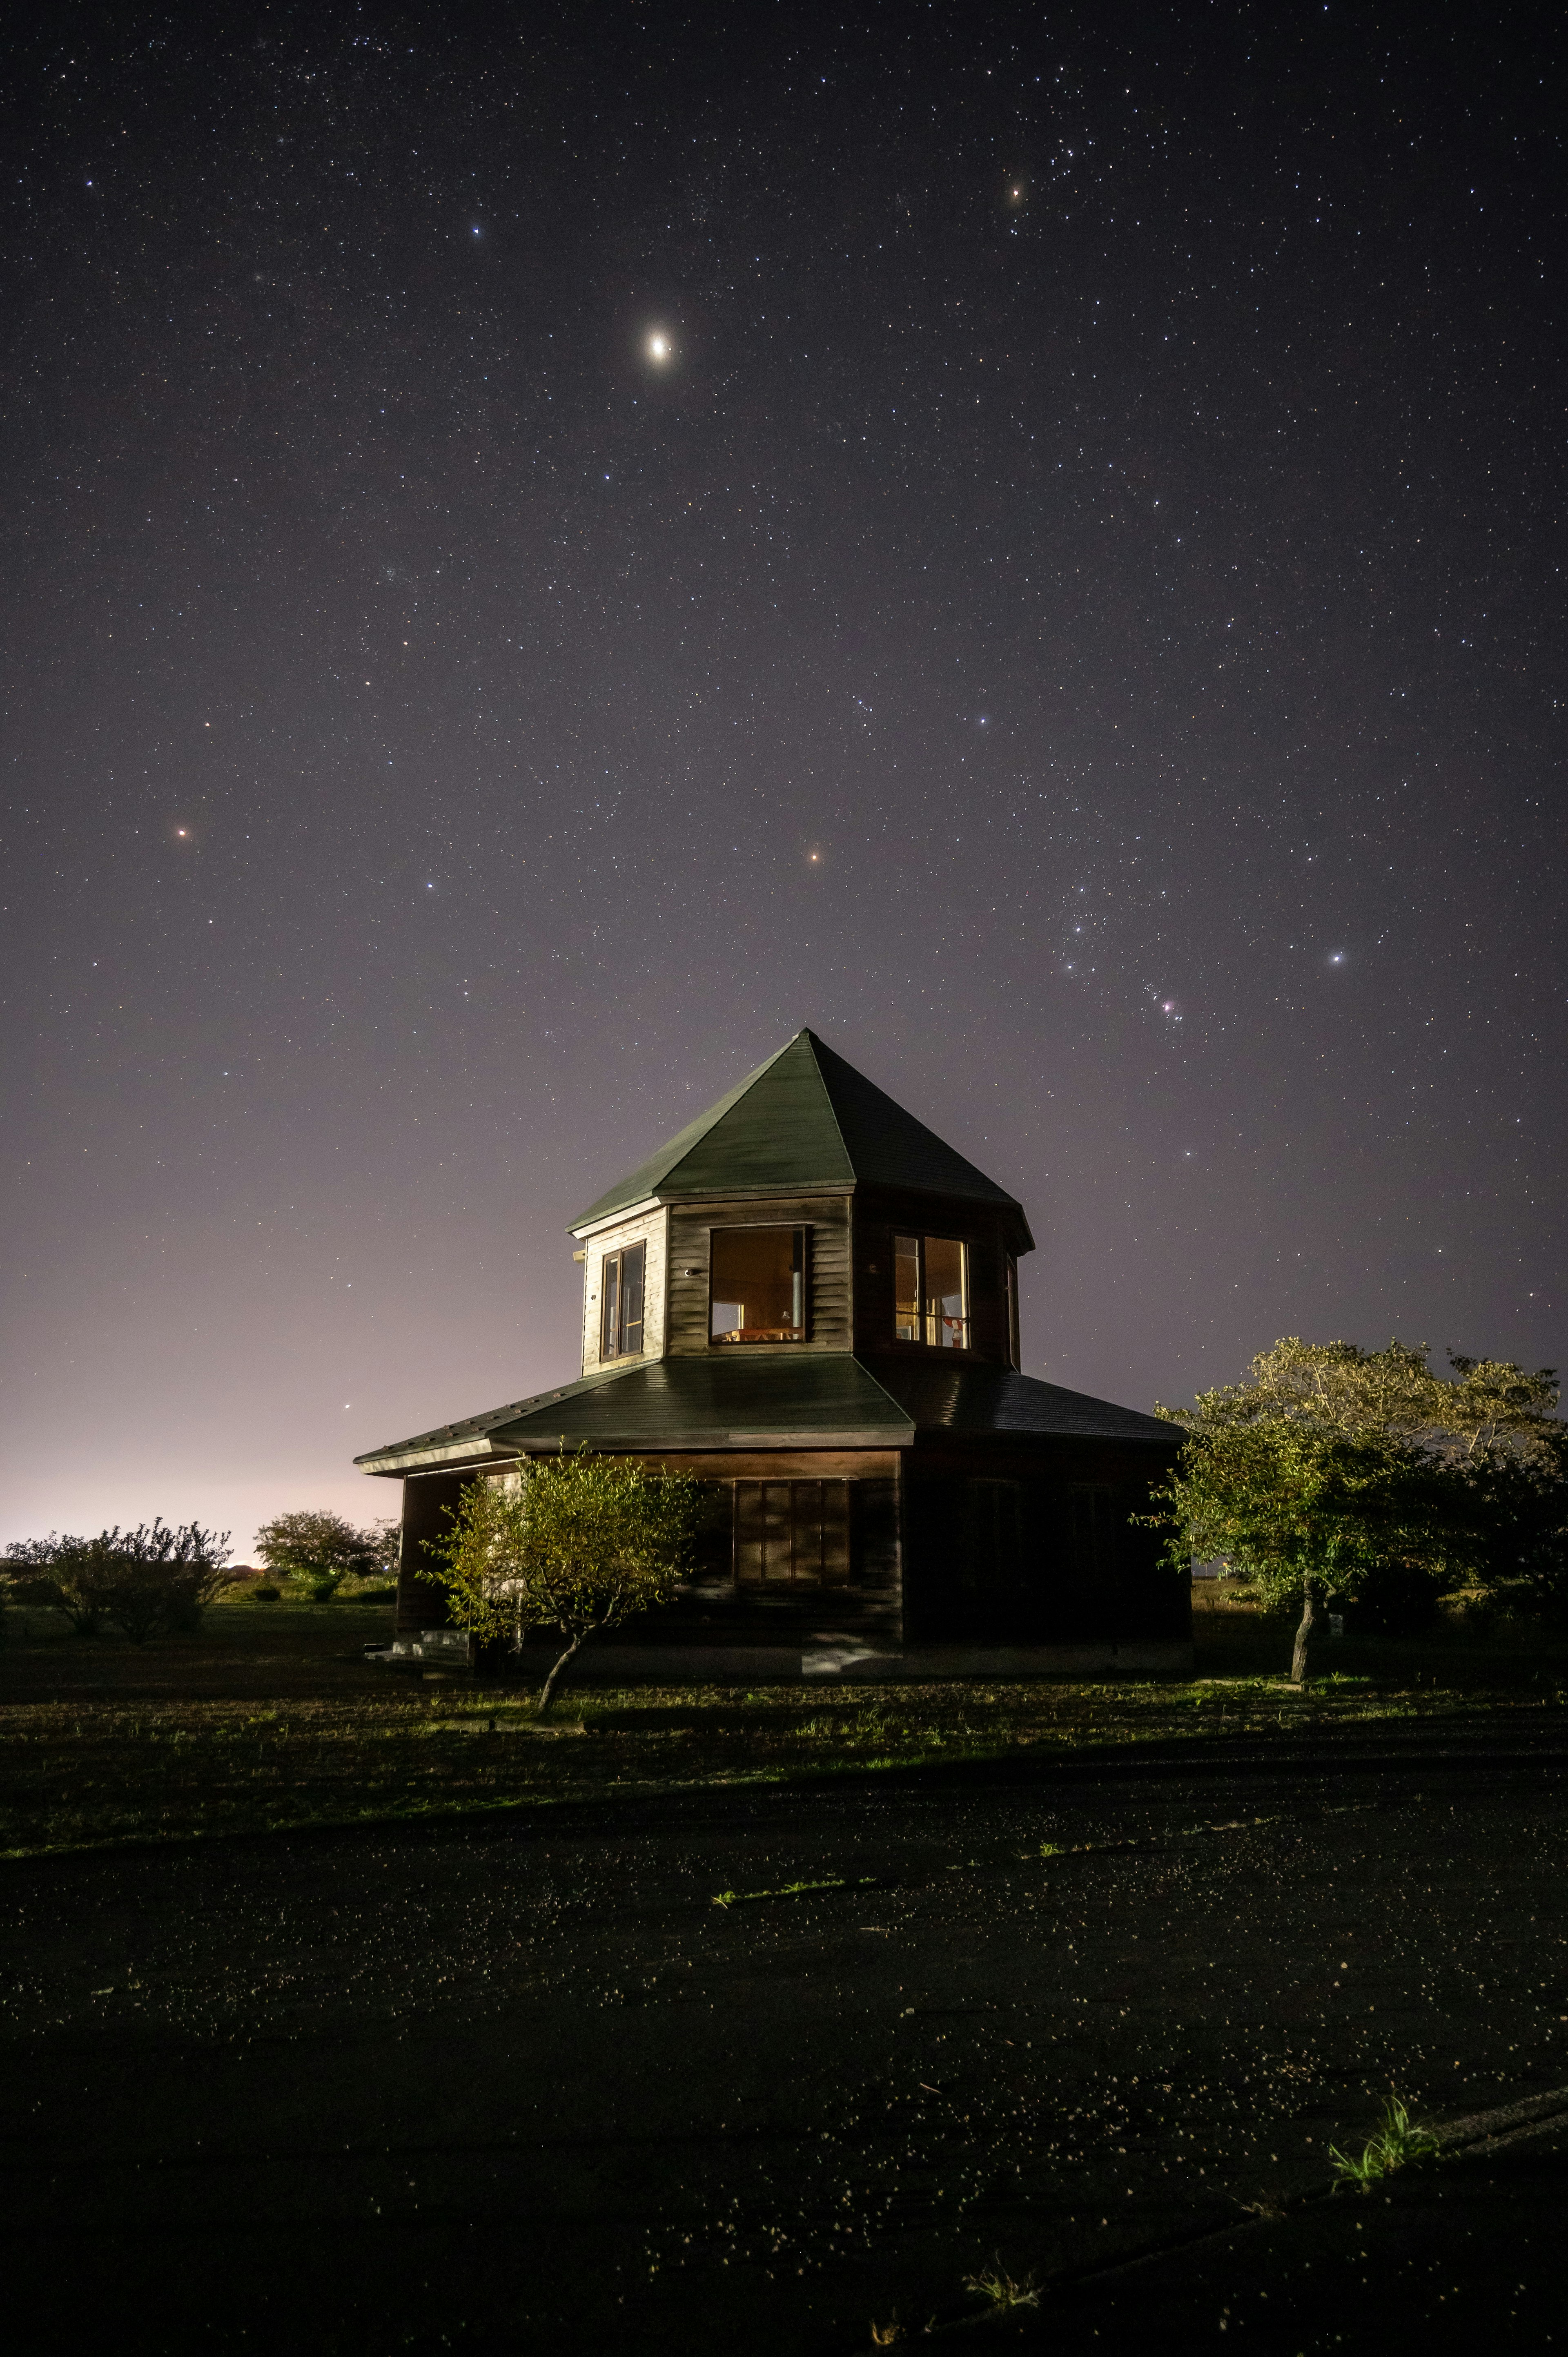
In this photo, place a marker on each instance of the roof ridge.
(805, 1032)
(881, 1386)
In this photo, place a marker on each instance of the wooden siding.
(774, 1464)
(879, 1216)
(650, 1228)
(826, 1220)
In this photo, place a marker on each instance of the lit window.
(620, 1303)
(757, 1285)
(930, 1291)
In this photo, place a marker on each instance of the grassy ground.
(269, 1719)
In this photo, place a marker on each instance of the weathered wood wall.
(879, 1216)
(650, 1228)
(826, 1219)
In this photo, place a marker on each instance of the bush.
(150, 1582)
(265, 1595)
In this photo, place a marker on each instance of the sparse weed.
(794, 1889)
(1396, 2143)
(995, 2285)
(888, 2336)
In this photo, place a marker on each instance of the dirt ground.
(762, 2069)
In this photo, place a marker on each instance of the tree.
(1335, 1470)
(577, 1543)
(1306, 1515)
(1522, 1515)
(323, 1549)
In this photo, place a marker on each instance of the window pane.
(610, 1305)
(757, 1285)
(907, 1289)
(791, 1534)
(631, 1300)
(947, 1294)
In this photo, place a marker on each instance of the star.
(658, 346)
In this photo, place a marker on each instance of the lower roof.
(824, 1400)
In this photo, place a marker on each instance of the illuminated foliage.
(1335, 1471)
(577, 1543)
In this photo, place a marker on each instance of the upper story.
(804, 1212)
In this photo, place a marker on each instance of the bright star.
(658, 348)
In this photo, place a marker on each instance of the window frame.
(613, 1322)
(802, 1231)
(922, 1316)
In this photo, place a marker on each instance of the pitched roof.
(803, 1119)
(819, 1399)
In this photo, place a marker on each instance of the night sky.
(545, 549)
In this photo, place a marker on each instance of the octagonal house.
(810, 1301)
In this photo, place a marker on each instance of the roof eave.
(447, 1456)
(638, 1204)
(699, 1442)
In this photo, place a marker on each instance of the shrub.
(148, 1581)
(267, 1594)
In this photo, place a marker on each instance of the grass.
(268, 1718)
(999, 2290)
(1393, 2145)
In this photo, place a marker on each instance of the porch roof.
(814, 1400)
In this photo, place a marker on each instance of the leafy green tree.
(1306, 1516)
(577, 1542)
(321, 1550)
(1521, 1505)
(1332, 1471)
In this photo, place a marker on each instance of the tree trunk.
(547, 1690)
(1308, 1615)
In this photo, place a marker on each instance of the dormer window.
(756, 1285)
(620, 1302)
(930, 1291)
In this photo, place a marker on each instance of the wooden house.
(810, 1300)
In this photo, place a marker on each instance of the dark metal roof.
(803, 1119)
(815, 1399)
(956, 1395)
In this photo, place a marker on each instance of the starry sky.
(544, 549)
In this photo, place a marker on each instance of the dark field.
(1101, 1978)
(270, 1718)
